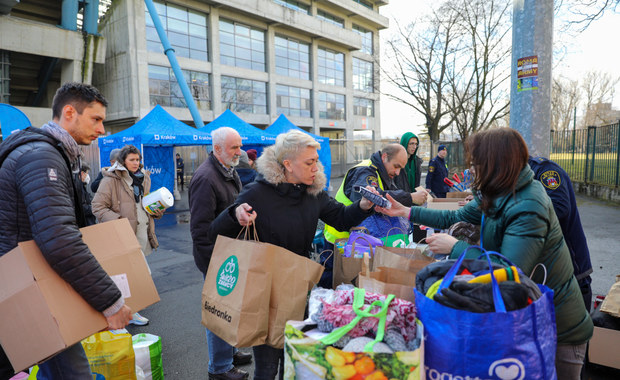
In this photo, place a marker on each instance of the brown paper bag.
(293, 277)
(237, 291)
(346, 269)
(408, 259)
(387, 281)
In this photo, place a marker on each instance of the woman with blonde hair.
(285, 203)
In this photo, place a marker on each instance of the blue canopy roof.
(157, 128)
(283, 124)
(250, 135)
(12, 119)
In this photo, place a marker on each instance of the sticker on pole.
(227, 276)
(527, 73)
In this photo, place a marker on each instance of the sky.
(589, 50)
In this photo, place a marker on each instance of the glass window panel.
(227, 39)
(243, 42)
(198, 54)
(164, 89)
(197, 30)
(245, 64)
(177, 12)
(198, 43)
(197, 18)
(227, 26)
(177, 25)
(258, 35)
(242, 30)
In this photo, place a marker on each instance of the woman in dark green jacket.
(520, 223)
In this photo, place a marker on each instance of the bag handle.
(247, 235)
(541, 265)
(387, 235)
(370, 246)
(449, 277)
(359, 296)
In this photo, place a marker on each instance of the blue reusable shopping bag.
(511, 345)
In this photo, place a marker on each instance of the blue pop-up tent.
(12, 119)
(282, 124)
(250, 135)
(155, 135)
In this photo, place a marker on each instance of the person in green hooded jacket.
(409, 177)
(521, 224)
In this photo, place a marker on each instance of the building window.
(186, 30)
(293, 101)
(362, 75)
(366, 38)
(295, 5)
(365, 3)
(292, 58)
(244, 95)
(322, 15)
(331, 106)
(242, 46)
(363, 107)
(165, 91)
(331, 67)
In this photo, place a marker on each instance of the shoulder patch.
(550, 179)
(52, 174)
(431, 169)
(371, 180)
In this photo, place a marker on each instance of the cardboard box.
(444, 203)
(41, 314)
(458, 194)
(604, 347)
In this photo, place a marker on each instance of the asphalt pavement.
(176, 318)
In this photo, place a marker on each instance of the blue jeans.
(220, 354)
(268, 361)
(71, 364)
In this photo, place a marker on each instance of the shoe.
(241, 358)
(138, 320)
(233, 374)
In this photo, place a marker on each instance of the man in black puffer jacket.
(40, 200)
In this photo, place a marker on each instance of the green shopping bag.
(147, 348)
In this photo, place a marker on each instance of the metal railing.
(589, 155)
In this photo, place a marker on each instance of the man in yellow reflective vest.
(379, 172)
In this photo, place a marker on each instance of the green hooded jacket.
(524, 228)
(409, 177)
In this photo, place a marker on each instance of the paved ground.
(177, 317)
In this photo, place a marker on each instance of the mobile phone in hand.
(374, 198)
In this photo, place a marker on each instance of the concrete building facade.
(42, 47)
(314, 61)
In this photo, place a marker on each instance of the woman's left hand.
(158, 213)
(397, 208)
(441, 243)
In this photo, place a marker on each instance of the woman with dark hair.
(520, 223)
(120, 195)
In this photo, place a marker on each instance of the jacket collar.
(272, 172)
(228, 175)
(378, 163)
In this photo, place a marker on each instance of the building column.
(216, 76)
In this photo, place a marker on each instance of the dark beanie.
(441, 147)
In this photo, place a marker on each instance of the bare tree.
(598, 90)
(565, 96)
(479, 78)
(449, 67)
(422, 52)
(584, 12)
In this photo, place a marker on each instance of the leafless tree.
(422, 52)
(479, 79)
(448, 66)
(598, 91)
(584, 12)
(565, 96)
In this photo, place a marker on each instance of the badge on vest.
(550, 179)
(431, 169)
(52, 175)
(372, 181)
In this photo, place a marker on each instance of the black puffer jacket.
(287, 214)
(38, 201)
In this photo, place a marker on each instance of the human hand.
(120, 319)
(397, 208)
(419, 197)
(245, 215)
(158, 213)
(441, 243)
(468, 199)
(366, 204)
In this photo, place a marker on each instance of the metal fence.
(589, 155)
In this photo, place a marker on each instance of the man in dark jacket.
(213, 188)
(180, 171)
(39, 199)
(558, 186)
(409, 177)
(437, 172)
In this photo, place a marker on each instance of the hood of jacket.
(273, 172)
(404, 141)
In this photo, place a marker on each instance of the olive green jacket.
(524, 228)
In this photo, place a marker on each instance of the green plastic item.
(358, 302)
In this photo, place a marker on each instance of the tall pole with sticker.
(531, 68)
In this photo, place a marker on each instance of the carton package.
(458, 194)
(41, 314)
(604, 346)
(444, 203)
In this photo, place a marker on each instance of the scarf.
(71, 146)
(138, 188)
(410, 167)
